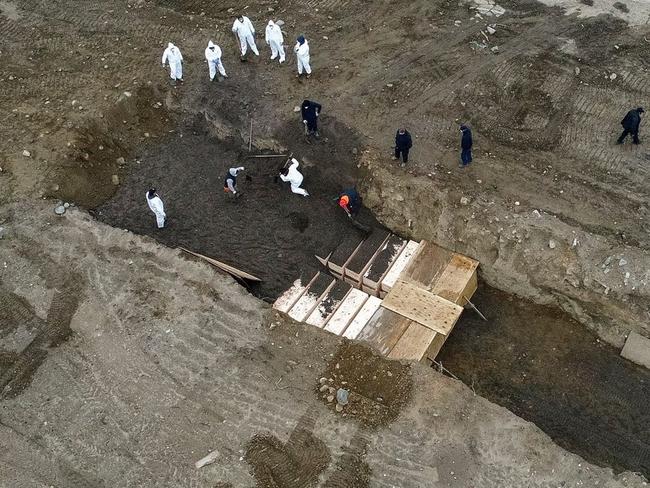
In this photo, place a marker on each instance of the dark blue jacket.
(403, 141)
(466, 141)
(632, 120)
(309, 110)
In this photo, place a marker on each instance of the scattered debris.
(27, 154)
(115, 179)
(209, 459)
(59, 210)
(342, 396)
(552, 244)
(491, 30)
(495, 49)
(464, 201)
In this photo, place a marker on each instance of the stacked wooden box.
(401, 297)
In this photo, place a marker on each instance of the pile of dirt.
(378, 388)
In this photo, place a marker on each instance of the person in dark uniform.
(403, 143)
(630, 125)
(350, 201)
(310, 112)
(230, 181)
(465, 146)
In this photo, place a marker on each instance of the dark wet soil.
(269, 231)
(552, 371)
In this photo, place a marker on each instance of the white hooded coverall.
(173, 55)
(275, 39)
(295, 178)
(213, 56)
(157, 207)
(245, 31)
(302, 56)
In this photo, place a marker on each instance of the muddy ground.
(168, 361)
(269, 231)
(551, 371)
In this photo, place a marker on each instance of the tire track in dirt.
(55, 330)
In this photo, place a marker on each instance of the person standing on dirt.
(310, 112)
(274, 39)
(230, 181)
(350, 201)
(293, 176)
(403, 144)
(465, 146)
(173, 56)
(213, 57)
(302, 56)
(157, 207)
(630, 125)
(244, 30)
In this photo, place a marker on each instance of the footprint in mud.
(299, 221)
(303, 458)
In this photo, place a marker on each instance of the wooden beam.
(223, 266)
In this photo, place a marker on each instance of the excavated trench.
(535, 361)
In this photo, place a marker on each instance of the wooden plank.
(398, 265)
(423, 307)
(343, 253)
(427, 265)
(365, 314)
(289, 297)
(312, 296)
(453, 281)
(383, 330)
(346, 312)
(382, 262)
(329, 304)
(414, 343)
(365, 254)
(436, 345)
(223, 266)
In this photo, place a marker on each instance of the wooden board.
(383, 330)
(454, 280)
(365, 254)
(382, 262)
(427, 265)
(312, 296)
(423, 307)
(414, 343)
(398, 265)
(329, 304)
(363, 316)
(289, 297)
(223, 266)
(346, 311)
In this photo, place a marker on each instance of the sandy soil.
(169, 360)
(554, 210)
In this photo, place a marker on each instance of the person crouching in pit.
(230, 182)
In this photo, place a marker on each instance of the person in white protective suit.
(173, 56)
(302, 55)
(213, 56)
(157, 207)
(244, 30)
(275, 39)
(293, 176)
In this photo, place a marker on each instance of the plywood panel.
(383, 330)
(414, 343)
(427, 264)
(346, 311)
(453, 281)
(398, 265)
(361, 320)
(422, 307)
